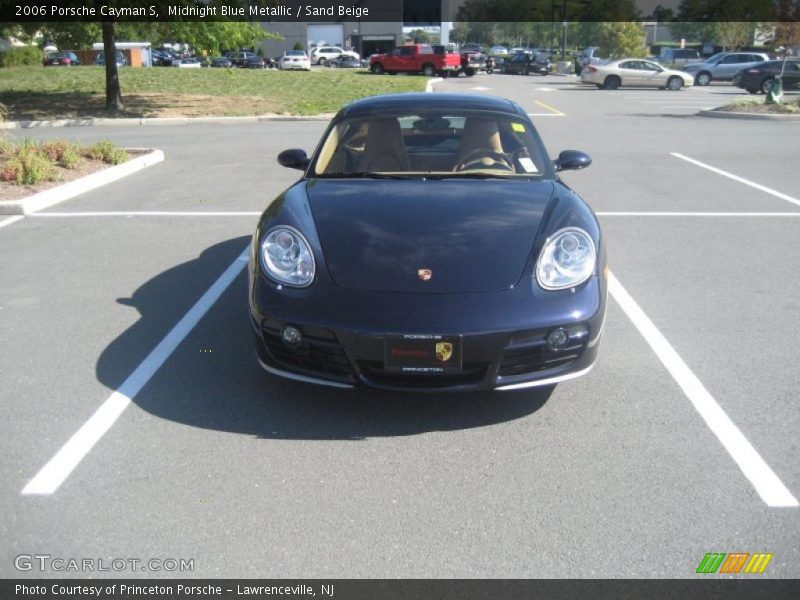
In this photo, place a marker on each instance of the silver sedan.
(634, 72)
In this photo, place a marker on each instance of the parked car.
(321, 54)
(678, 57)
(587, 56)
(161, 58)
(723, 66)
(121, 61)
(219, 62)
(190, 62)
(258, 62)
(429, 245)
(498, 50)
(634, 72)
(66, 58)
(240, 58)
(417, 58)
(473, 48)
(761, 77)
(294, 60)
(524, 63)
(344, 62)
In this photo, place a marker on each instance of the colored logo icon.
(735, 562)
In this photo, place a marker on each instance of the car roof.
(412, 100)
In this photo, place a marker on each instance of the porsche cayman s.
(429, 245)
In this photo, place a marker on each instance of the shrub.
(21, 56)
(54, 150)
(12, 171)
(28, 167)
(107, 152)
(69, 158)
(35, 167)
(6, 148)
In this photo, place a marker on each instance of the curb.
(431, 82)
(104, 121)
(720, 114)
(55, 195)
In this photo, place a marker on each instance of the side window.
(407, 51)
(629, 64)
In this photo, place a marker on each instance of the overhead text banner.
(306, 11)
(407, 11)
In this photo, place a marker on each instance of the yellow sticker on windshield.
(518, 127)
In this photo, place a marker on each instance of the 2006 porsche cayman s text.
(429, 245)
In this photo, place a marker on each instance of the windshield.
(716, 57)
(432, 143)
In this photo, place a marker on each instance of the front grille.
(471, 373)
(530, 353)
(320, 353)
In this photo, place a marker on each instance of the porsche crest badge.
(444, 350)
(424, 274)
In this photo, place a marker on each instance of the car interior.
(430, 144)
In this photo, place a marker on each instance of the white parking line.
(623, 213)
(10, 220)
(58, 468)
(764, 480)
(752, 184)
(150, 213)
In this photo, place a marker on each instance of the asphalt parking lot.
(128, 437)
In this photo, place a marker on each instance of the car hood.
(473, 235)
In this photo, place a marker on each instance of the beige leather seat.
(384, 149)
(479, 134)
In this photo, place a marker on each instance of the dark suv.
(524, 63)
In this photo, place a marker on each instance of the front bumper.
(349, 351)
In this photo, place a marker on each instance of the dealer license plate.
(423, 353)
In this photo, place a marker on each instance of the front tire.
(674, 84)
(703, 78)
(377, 69)
(428, 70)
(766, 85)
(612, 82)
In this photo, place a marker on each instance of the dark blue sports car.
(429, 245)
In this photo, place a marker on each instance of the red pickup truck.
(416, 58)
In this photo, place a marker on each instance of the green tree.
(732, 35)
(622, 39)
(459, 32)
(419, 36)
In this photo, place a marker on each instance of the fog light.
(557, 338)
(291, 336)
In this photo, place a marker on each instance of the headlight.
(567, 259)
(287, 257)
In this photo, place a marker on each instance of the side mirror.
(294, 159)
(571, 160)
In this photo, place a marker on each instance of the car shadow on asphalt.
(213, 381)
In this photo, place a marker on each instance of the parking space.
(620, 473)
